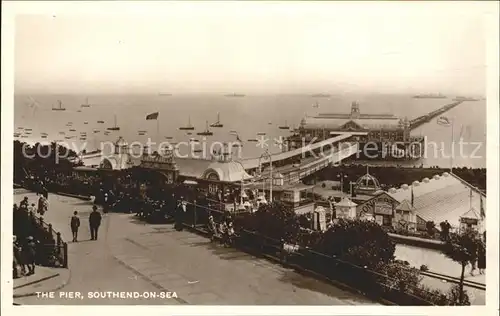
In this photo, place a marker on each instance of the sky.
(255, 48)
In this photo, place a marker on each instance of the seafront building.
(390, 134)
(232, 183)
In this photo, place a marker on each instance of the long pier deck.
(417, 122)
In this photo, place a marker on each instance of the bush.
(432, 296)
(404, 279)
(454, 296)
(363, 243)
(424, 268)
(276, 220)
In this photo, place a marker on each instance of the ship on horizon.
(430, 96)
(320, 95)
(460, 98)
(60, 107)
(233, 95)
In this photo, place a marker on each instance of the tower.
(355, 110)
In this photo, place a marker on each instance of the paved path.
(132, 256)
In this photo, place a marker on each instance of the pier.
(417, 122)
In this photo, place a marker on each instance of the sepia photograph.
(252, 153)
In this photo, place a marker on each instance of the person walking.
(94, 221)
(29, 255)
(481, 258)
(75, 224)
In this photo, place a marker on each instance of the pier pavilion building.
(387, 135)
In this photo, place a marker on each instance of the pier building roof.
(354, 120)
(444, 197)
(363, 123)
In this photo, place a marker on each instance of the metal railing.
(370, 282)
(51, 250)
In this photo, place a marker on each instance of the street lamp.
(267, 156)
(342, 176)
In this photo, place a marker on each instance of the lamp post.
(267, 156)
(342, 176)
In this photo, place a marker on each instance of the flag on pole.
(443, 121)
(152, 116)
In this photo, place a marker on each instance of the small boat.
(44, 136)
(86, 104)
(189, 127)
(20, 127)
(261, 134)
(100, 122)
(253, 140)
(72, 130)
(28, 129)
(233, 132)
(24, 136)
(28, 132)
(60, 107)
(85, 123)
(141, 134)
(217, 123)
(269, 123)
(115, 127)
(194, 140)
(17, 134)
(189, 133)
(207, 132)
(142, 131)
(96, 131)
(69, 124)
(69, 137)
(78, 110)
(168, 137)
(62, 133)
(106, 133)
(284, 126)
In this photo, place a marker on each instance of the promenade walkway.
(133, 256)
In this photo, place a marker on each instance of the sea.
(245, 116)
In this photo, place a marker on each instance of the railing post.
(65, 254)
(59, 241)
(194, 214)
(41, 221)
(50, 229)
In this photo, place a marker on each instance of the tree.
(363, 243)
(277, 220)
(462, 248)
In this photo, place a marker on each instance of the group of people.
(24, 257)
(95, 219)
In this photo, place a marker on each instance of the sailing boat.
(207, 132)
(86, 104)
(189, 127)
(60, 108)
(284, 126)
(217, 123)
(114, 128)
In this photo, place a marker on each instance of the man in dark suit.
(94, 221)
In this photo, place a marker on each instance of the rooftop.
(444, 197)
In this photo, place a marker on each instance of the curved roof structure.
(367, 183)
(230, 171)
(114, 163)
